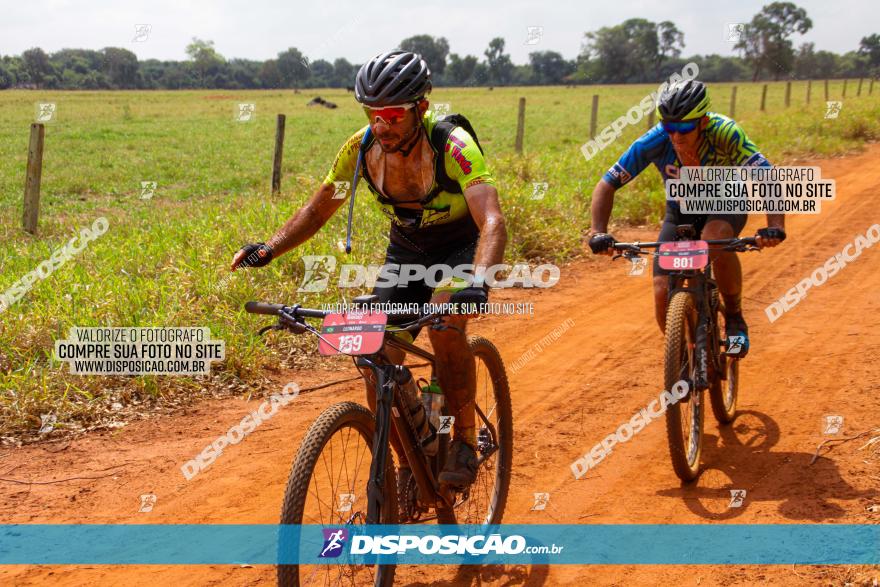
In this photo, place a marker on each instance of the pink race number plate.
(684, 255)
(352, 333)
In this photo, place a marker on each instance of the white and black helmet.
(392, 78)
(684, 100)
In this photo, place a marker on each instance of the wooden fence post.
(733, 103)
(826, 90)
(279, 152)
(763, 97)
(520, 125)
(32, 181)
(787, 94)
(859, 91)
(594, 116)
(809, 89)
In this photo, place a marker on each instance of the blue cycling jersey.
(725, 144)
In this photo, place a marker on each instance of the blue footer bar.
(642, 544)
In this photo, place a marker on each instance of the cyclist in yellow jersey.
(443, 208)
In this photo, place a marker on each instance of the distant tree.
(243, 73)
(433, 50)
(343, 73)
(498, 64)
(461, 70)
(120, 66)
(670, 42)
(293, 68)
(37, 66)
(206, 62)
(869, 48)
(632, 51)
(322, 74)
(270, 76)
(720, 68)
(7, 78)
(766, 43)
(548, 67)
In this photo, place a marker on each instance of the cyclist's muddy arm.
(603, 202)
(307, 220)
(482, 200)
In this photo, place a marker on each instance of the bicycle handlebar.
(291, 315)
(263, 308)
(746, 243)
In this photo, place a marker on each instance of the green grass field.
(163, 260)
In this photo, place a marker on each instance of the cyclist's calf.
(661, 285)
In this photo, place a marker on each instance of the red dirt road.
(816, 360)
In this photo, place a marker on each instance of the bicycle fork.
(378, 467)
(701, 354)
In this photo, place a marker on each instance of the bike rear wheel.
(684, 418)
(485, 500)
(723, 393)
(328, 486)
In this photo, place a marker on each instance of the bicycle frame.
(391, 412)
(390, 409)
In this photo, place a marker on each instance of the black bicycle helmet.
(391, 79)
(683, 100)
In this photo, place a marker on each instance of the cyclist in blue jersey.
(689, 135)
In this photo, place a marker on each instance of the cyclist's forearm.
(493, 240)
(603, 202)
(307, 221)
(776, 220)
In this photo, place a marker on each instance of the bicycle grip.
(263, 308)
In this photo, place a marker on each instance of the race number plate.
(684, 255)
(352, 333)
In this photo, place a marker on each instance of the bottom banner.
(692, 544)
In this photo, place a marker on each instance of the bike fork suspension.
(378, 468)
(701, 354)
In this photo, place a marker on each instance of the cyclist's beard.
(688, 150)
(406, 143)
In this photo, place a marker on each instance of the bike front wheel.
(485, 500)
(684, 418)
(328, 487)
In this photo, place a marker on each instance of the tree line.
(635, 51)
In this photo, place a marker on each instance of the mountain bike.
(694, 352)
(344, 474)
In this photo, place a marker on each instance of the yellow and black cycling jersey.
(444, 219)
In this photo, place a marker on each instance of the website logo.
(317, 273)
(334, 541)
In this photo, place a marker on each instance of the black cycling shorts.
(419, 292)
(674, 217)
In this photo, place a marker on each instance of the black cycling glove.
(601, 242)
(470, 295)
(256, 255)
(772, 233)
